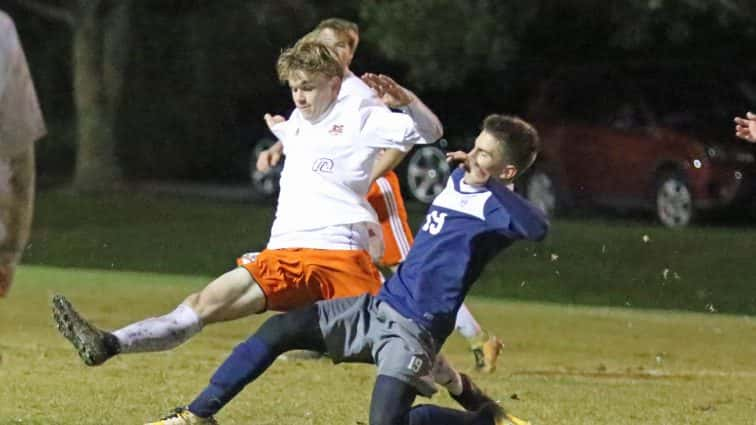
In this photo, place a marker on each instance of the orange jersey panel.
(385, 196)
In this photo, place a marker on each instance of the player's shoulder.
(509, 207)
(353, 85)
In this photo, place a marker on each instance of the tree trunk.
(100, 46)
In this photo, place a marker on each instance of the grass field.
(587, 342)
(562, 364)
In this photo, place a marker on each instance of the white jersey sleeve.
(426, 122)
(284, 131)
(382, 128)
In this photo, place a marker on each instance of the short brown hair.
(311, 57)
(341, 26)
(518, 139)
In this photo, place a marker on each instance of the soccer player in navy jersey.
(402, 329)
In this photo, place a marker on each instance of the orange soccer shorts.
(296, 277)
(385, 196)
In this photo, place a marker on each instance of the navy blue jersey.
(464, 229)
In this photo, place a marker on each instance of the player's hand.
(456, 157)
(272, 120)
(388, 90)
(6, 278)
(745, 128)
(268, 159)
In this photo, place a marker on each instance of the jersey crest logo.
(434, 222)
(336, 130)
(323, 165)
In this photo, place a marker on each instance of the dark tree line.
(176, 88)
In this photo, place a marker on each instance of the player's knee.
(391, 402)
(193, 301)
(421, 414)
(200, 304)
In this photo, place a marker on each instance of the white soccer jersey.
(326, 174)
(426, 122)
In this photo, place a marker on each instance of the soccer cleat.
(182, 416)
(500, 416)
(487, 353)
(89, 341)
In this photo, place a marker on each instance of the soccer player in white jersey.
(385, 195)
(21, 124)
(319, 239)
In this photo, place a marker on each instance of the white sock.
(159, 333)
(466, 323)
(445, 375)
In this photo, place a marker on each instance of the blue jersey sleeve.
(513, 216)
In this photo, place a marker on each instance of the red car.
(642, 139)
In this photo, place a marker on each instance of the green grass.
(570, 358)
(563, 364)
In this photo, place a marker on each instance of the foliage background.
(200, 74)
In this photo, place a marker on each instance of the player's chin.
(475, 178)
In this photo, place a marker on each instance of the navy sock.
(248, 360)
(429, 414)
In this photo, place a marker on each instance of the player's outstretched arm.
(745, 128)
(395, 95)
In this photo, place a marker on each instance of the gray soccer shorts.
(363, 329)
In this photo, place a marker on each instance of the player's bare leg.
(231, 296)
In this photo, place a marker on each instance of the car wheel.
(674, 202)
(541, 190)
(264, 183)
(427, 172)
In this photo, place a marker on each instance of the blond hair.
(341, 26)
(308, 56)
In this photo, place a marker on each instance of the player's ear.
(335, 84)
(508, 172)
